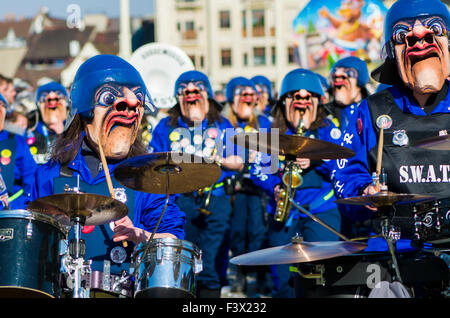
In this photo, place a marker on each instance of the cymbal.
(302, 252)
(435, 143)
(167, 172)
(94, 209)
(385, 198)
(292, 145)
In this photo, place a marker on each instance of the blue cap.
(262, 80)
(194, 76)
(409, 9)
(235, 82)
(95, 72)
(357, 64)
(50, 87)
(301, 79)
(323, 81)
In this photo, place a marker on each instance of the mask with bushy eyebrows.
(117, 116)
(421, 51)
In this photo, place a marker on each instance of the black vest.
(410, 169)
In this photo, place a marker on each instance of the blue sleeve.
(160, 140)
(25, 168)
(43, 180)
(351, 176)
(148, 210)
(263, 174)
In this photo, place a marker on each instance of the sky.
(59, 8)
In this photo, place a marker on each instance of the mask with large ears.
(110, 95)
(51, 99)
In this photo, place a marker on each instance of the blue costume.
(144, 209)
(206, 231)
(409, 169)
(315, 194)
(17, 166)
(41, 138)
(266, 85)
(248, 229)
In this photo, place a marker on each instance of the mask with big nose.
(244, 101)
(301, 104)
(421, 50)
(116, 120)
(193, 99)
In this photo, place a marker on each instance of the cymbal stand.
(391, 234)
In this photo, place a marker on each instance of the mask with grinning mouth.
(421, 50)
(345, 86)
(51, 99)
(116, 118)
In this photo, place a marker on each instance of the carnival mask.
(116, 119)
(244, 101)
(344, 82)
(301, 104)
(193, 98)
(53, 108)
(421, 50)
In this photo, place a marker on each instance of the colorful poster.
(326, 31)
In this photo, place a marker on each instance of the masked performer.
(349, 77)
(264, 87)
(416, 106)
(248, 230)
(51, 99)
(298, 112)
(108, 97)
(195, 126)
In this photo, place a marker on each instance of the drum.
(29, 254)
(167, 270)
(432, 224)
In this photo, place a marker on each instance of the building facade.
(228, 38)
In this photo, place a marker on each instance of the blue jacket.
(17, 162)
(316, 191)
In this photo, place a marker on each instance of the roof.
(21, 27)
(54, 43)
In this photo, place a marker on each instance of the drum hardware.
(317, 274)
(432, 224)
(298, 251)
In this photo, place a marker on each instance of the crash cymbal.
(435, 143)
(167, 172)
(302, 252)
(385, 198)
(93, 209)
(292, 145)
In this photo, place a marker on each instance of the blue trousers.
(208, 233)
(247, 224)
(311, 231)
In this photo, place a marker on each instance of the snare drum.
(167, 270)
(29, 254)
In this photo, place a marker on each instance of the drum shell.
(29, 254)
(168, 270)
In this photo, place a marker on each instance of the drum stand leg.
(77, 251)
(391, 236)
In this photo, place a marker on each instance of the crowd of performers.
(50, 137)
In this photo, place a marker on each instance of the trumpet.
(292, 179)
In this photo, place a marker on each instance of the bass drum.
(29, 255)
(166, 268)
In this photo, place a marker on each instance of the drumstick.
(108, 178)
(379, 157)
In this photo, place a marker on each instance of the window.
(189, 32)
(291, 55)
(258, 22)
(245, 58)
(274, 55)
(226, 57)
(244, 24)
(225, 21)
(259, 56)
